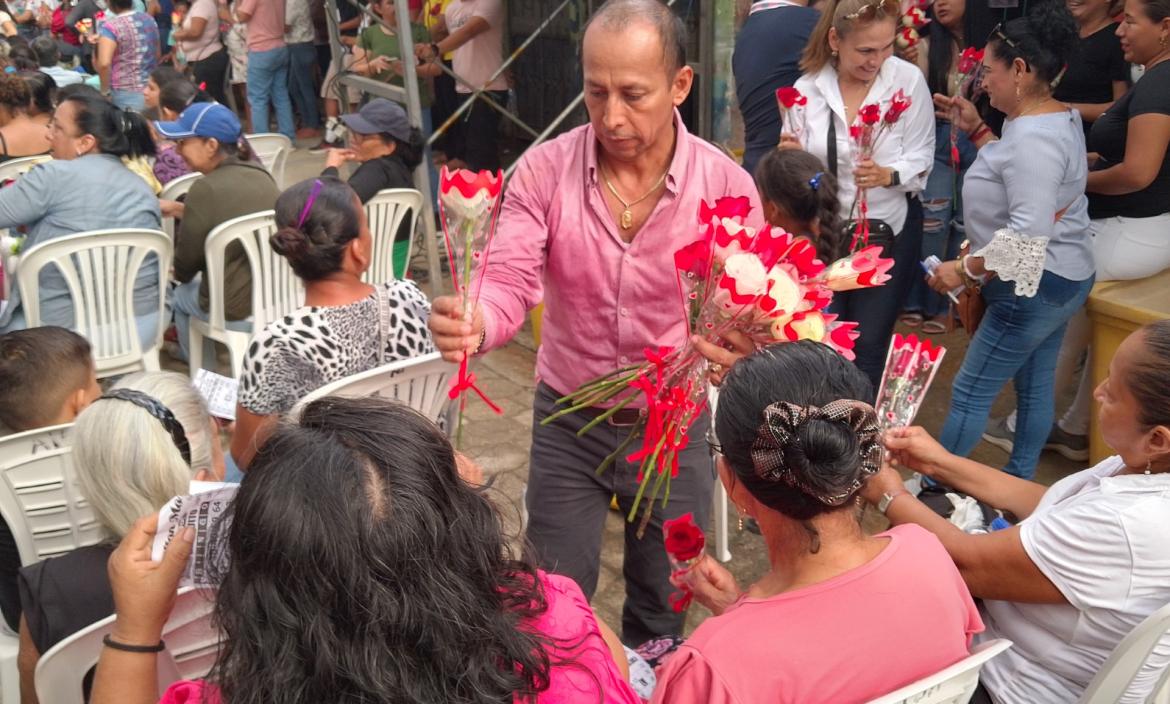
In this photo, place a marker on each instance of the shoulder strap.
(383, 321)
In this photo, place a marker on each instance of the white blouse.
(907, 146)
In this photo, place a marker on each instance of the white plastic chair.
(175, 190)
(273, 150)
(954, 685)
(1128, 660)
(276, 290)
(18, 167)
(385, 213)
(42, 505)
(192, 648)
(722, 552)
(420, 383)
(100, 269)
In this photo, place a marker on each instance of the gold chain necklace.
(1037, 106)
(627, 218)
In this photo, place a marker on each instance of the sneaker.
(326, 145)
(1072, 447)
(997, 434)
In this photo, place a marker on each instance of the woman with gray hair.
(134, 449)
(798, 440)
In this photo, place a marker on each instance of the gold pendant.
(627, 219)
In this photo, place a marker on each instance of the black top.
(62, 595)
(374, 175)
(767, 57)
(1149, 95)
(346, 12)
(1097, 62)
(9, 569)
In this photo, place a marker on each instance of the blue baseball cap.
(207, 120)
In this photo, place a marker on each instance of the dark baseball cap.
(207, 120)
(378, 116)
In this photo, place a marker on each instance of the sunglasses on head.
(998, 33)
(871, 10)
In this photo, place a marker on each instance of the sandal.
(934, 327)
(910, 320)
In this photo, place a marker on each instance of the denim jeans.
(1019, 340)
(128, 99)
(268, 82)
(185, 305)
(302, 58)
(942, 206)
(875, 310)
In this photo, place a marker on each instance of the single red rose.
(970, 59)
(899, 104)
(790, 97)
(694, 258)
(470, 183)
(871, 114)
(683, 539)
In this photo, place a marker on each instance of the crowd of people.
(368, 563)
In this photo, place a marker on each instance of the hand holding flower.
(958, 109)
(871, 175)
(453, 335)
(710, 583)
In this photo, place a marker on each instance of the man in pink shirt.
(589, 223)
(267, 64)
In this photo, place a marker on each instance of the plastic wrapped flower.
(790, 97)
(731, 238)
(906, 38)
(914, 18)
(863, 269)
(899, 104)
(870, 114)
(743, 281)
(468, 195)
(970, 59)
(784, 295)
(735, 208)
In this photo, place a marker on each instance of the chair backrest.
(1128, 659)
(18, 167)
(100, 269)
(385, 213)
(40, 498)
(954, 685)
(420, 383)
(272, 149)
(174, 190)
(276, 290)
(192, 648)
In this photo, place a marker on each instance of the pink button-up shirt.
(605, 299)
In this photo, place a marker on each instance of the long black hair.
(796, 181)
(42, 91)
(941, 53)
(1045, 39)
(122, 133)
(364, 569)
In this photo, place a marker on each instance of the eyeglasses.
(870, 10)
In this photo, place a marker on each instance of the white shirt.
(907, 146)
(299, 22)
(1102, 541)
(478, 59)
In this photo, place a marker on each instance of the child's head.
(800, 196)
(46, 377)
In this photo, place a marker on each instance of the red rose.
(871, 114)
(789, 96)
(898, 105)
(970, 59)
(684, 540)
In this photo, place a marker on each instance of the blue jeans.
(128, 99)
(185, 305)
(942, 205)
(1018, 339)
(302, 60)
(875, 310)
(268, 81)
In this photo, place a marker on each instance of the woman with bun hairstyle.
(20, 134)
(1089, 559)
(1028, 223)
(797, 442)
(87, 186)
(211, 141)
(801, 197)
(42, 96)
(346, 325)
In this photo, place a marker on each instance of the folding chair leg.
(722, 553)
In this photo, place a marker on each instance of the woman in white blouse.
(849, 63)
(1028, 222)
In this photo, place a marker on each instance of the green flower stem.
(588, 402)
(605, 379)
(649, 463)
(611, 457)
(607, 415)
(662, 477)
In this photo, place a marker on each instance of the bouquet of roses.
(910, 368)
(468, 204)
(684, 542)
(913, 19)
(968, 86)
(871, 123)
(766, 284)
(792, 106)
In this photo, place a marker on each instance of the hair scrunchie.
(782, 422)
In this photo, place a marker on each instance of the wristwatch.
(888, 499)
(895, 178)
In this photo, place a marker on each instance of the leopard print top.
(314, 346)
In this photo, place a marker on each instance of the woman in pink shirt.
(363, 569)
(841, 617)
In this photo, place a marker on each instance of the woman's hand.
(958, 110)
(337, 157)
(789, 141)
(378, 64)
(915, 449)
(871, 175)
(144, 590)
(172, 208)
(909, 53)
(945, 277)
(886, 481)
(723, 358)
(711, 583)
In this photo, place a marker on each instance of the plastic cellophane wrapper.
(910, 368)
